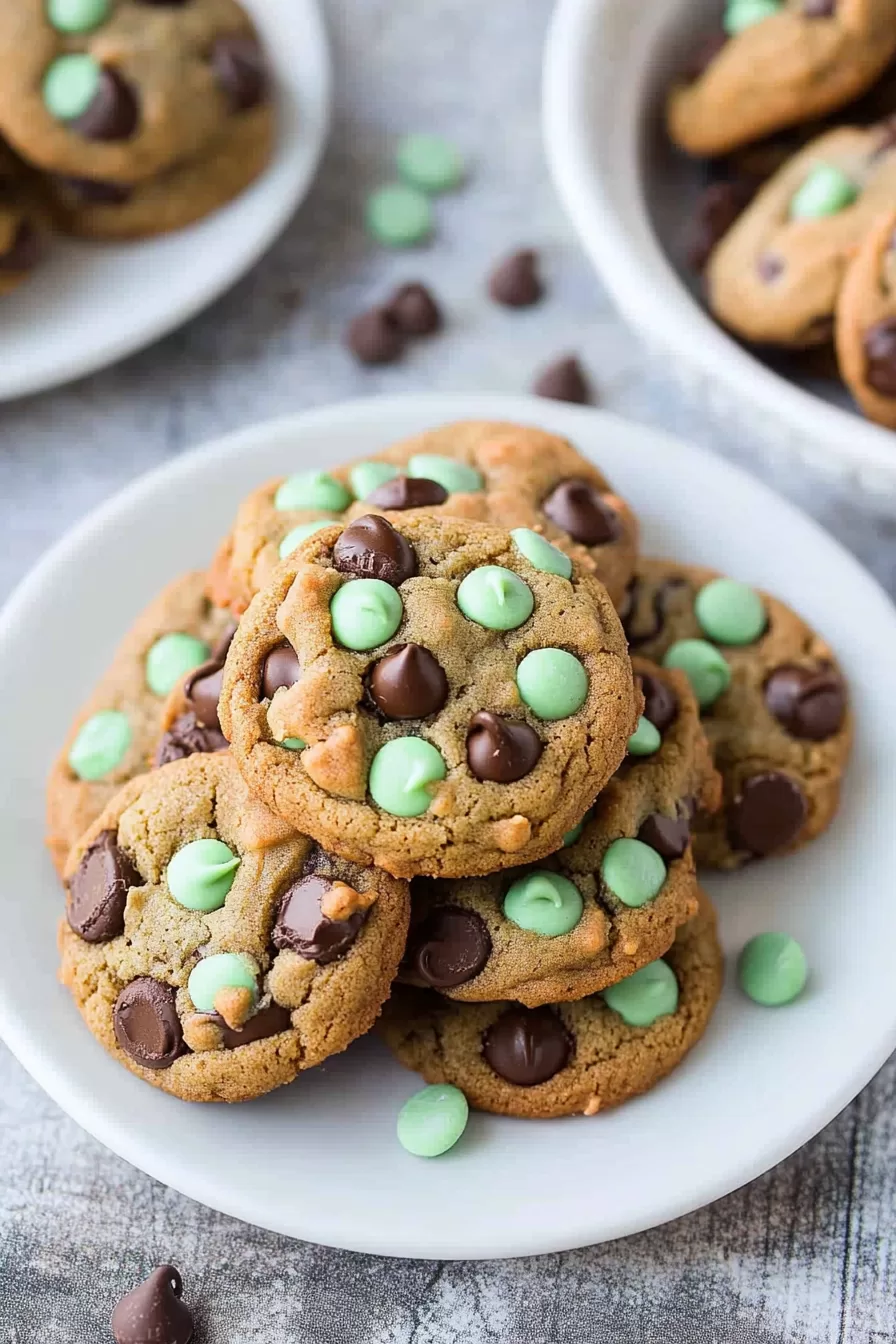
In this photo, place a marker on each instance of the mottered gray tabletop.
(804, 1254)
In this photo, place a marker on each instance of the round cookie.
(865, 329)
(118, 92)
(775, 706)
(115, 732)
(570, 1058)
(504, 474)
(448, 706)
(179, 196)
(22, 223)
(213, 950)
(775, 275)
(559, 930)
(778, 64)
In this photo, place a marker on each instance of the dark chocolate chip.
(769, 267)
(188, 737)
(407, 492)
(527, 1046)
(113, 112)
(281, 668)
(581, 510)
(242, 73)
(819, 9)
(702, 56)
(266, 1022)
(515, 281)
(660, 701)
(768, 813)
(809, 704)
(415, 311)
(146, 1023)
(371, 548)
(375, 337)
(669, 836)
(153, 1313)
(879, 343)
(88, 191)
(303, 928)
(448, 947)
(25, 252)
(222, 648)
(501, 749)
(98, 890)
(409, 683)
(564, 380)
(718, 207)
(202, 690)
(659, 607)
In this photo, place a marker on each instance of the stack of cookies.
(431, 741)
(124, 118)
(792, 106)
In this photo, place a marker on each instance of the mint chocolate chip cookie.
(415, 691)
(213, 950)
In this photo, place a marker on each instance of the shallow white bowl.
(90, 304)
(320, 1160)
(607, 66)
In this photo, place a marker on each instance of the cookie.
(775, 706)
(181, 195)
(189, 722)
(429, 694)
(504, 474)
(776, 65)
(213, 950)
(570, 1058)
(865, 328)
(116, 731)
(604, 905)
(776, 274)
(23, 230)
(118, 92)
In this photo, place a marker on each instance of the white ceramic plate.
(607, 65)
(319, 1160)
(91, 304)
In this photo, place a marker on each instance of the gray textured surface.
(803, 1254)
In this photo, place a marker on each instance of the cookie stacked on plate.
(393, 750)
(125, 119)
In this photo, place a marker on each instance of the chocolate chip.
(371, 548)
(188, 737)
(669, 836)
(409, 683)
(88, 191)
(448, 947)
(153, 1312)
(718, 207)
(564, 380)
(281, 669)
(515, 281)
(202, 690)
(303, 928)
(146, 1023)
(879, 343)
(375, 337)
(581, 510)
(266, 1022)
(98, 890)
(769, 267)
(808, 704)
(819, 9)
(660, 701)
(414, 310)
(501, 749)
(113, 112)
(659, 608)
(240, 67)
(25, 252)
(768, 813)
(704, 53)
(407, 492)
(527, 1046)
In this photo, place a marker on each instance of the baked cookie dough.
(429, 694)
(190, 721)
(116, 731)
(120, 90)
(775, 706)
(211, 949)
(778, 64)
(504, 474)
(22, 223)
(570, 1058)
(775, 275)
(865, 329)
(604, 905)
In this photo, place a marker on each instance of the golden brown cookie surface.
(865, 329)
